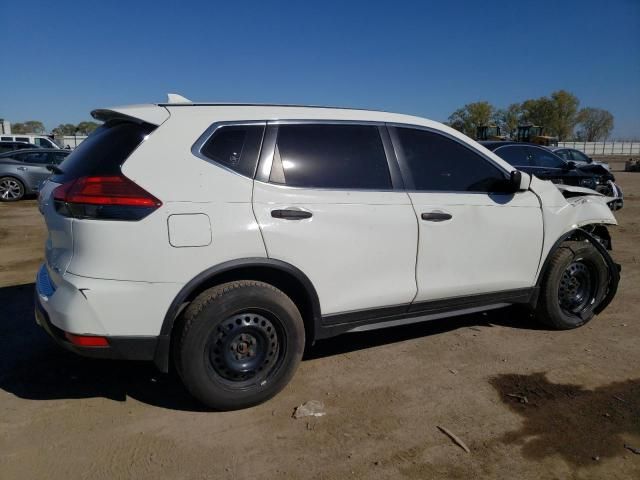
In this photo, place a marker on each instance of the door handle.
(436, 216)
(23, 168)
(290, 214)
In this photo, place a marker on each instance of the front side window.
(564, 154)
(580, 157)
(515, 155)
(330, 156)
(235, 147)
(439, 163)
(545, 159)
(44, 143)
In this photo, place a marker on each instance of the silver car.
(23, 171)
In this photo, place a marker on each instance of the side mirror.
(571, 165)
(515, 181)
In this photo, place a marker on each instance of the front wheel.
(573, 286)
(240, 344)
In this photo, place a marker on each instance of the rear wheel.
(11, 189)
(573, 286)
(240, 345)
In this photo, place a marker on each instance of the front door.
(472, 239)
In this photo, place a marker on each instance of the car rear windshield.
(104, 151)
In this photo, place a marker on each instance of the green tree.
(85, 128)
(30, 126)
(539, 111)
(508, 119)
(471, 116)
(65, 129)
(594, 124)
(565, 109)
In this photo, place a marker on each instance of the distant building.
(5, 126)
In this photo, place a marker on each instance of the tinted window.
(438, 163)
(104, 151)
(6, 138)
(580, 157)
(33, 157)
(58, 158)
(565, 154)
(516, 156)
(235, 147)
(545, 159)
(330, 156)
(22, 139)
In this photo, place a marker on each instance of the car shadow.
(33, 367)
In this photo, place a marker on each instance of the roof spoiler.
(153, 114)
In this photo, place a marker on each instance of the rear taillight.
(112, 197)
(87, 340)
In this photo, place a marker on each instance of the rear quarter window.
(235, 147)
(104, 151)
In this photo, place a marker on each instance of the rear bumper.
(60, 308)
(120, 348)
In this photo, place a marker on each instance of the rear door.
(472, 239)
(35, 165)
(326, 203)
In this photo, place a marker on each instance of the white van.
(40, 140)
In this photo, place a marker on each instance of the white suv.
(225, 238)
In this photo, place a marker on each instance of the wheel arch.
(598, 236)
(282, 275)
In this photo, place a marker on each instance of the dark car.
(23, 171)
(544, 164)
(11, 146)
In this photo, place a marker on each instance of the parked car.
(576, 156)
(23, 171)
(225, 241)
(42, 141)
(546, 165)
(11, 146)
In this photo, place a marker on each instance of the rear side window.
(104, 151)
(330, 156)
(235, 147)
(38, 158)
(439, 163)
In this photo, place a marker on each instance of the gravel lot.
(386, 393)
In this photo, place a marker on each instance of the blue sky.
(62, 59)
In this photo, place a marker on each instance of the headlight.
(588, 182)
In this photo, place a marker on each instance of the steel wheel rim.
(577, 287)
(245, 348)
(9, 189)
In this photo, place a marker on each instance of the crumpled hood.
(576, 190)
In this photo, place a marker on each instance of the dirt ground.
(386, 392)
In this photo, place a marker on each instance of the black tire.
(240, 344)
(574, 284)
(11, 189)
